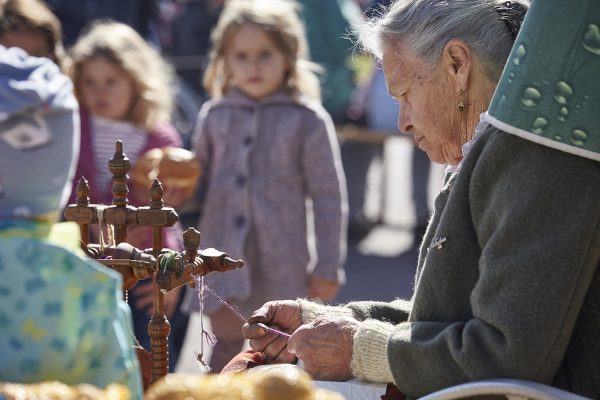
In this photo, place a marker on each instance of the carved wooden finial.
(83, 192)
(156, 194)
(191, 240)
(118, 166)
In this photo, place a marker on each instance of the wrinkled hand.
(144, 298)
(284, 315)
(325, 347)
(322, 289)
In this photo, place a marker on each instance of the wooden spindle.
(118, 166)
(83, 200)
(159, 329)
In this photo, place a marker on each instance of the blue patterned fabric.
(62, 316)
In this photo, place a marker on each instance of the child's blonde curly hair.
(125, 48)
(279, 20)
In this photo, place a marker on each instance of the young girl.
(266, 146)
(31, 25)
(122, 86)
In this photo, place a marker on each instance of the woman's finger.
(251, 331)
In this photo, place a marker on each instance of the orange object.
(174, 167)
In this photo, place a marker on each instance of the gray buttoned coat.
(508, 281)
(262, 161)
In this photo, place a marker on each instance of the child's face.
(106, 90)
(256, 66)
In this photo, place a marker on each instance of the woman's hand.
(321, 289)
(325, 347)
(282, 315)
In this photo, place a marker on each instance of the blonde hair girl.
(122, 46)
(279, 19)
(266, 145)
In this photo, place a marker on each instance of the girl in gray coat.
(268, 150)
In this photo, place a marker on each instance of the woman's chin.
(434, 156)
(440, 157)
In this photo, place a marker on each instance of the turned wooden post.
(159, 327)
(156, 203)
(118, 166)
(83, 201)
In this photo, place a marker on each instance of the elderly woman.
(507, 260)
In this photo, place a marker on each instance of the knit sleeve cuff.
(369, 352)
(311, 310)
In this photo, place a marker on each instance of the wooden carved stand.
(167, 268)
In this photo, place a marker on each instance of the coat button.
(247, 140)
(239, 221)
(240, 180)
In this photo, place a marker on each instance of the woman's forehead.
(401, 68)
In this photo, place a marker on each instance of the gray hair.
(426, 26)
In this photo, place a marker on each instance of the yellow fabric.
(66, 235)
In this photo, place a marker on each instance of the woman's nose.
(404, 121)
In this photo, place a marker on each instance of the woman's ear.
(458, 63)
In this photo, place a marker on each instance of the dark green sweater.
(514, 289)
